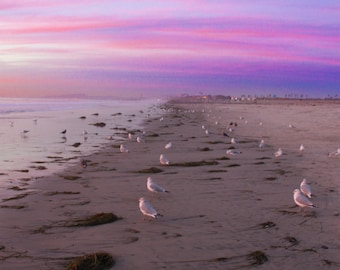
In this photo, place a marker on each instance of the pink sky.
(148, 48)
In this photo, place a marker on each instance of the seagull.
(261, 145)
(291, 126)
(163, 160)
(301, 148)
(25, 131)
(278, 153)
(64, 131)
(225, 134)
(233, 141)
(232, 152)
(83, 163)
(110, 137)
(85, 132)
(130, 136)
(301, 200)
(146, 208)
(305, 188)
(334, 153)
(207, 132)
(140, 140)
(168, 145)
(123, 149)
(153, 187)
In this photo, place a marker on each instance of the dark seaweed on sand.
(150, 170)
(258, 257)
(97, 219)
(99, 124)
(195, 163)
(95, 261)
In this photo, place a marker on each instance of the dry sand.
(227, 214)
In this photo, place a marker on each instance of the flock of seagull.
(301, 196)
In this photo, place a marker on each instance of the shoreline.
(216, 214)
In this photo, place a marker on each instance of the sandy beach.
(222, 212)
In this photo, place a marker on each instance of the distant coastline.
(252, 100)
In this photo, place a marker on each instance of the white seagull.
(261, 145)
(334, 153)
(278, 153)
(232, 152)
(146, 208)
(140, 140)
(168, 145)
(305, 188)
(123, 149)
(233, 141)
(301, 200)
(301, 148)
(130, 136)
(163, 160)
(153, 187)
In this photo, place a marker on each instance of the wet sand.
(228, 212)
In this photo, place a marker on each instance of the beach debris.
(266, 225)
(150, 170)
(99, 124)
(95, 261)
(225, 134)
(82, 117)
(278, 153)
(195, 163)
(147, 209)
(94, 220)
(123, 149)
(71, 177)
(163, 160)
(233, 165)
(77, 144)
(153, 187)
(258, 257)
(301, 200)
(305, 188)
(204, 149)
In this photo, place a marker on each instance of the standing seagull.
(146, 208)
(168, 145)
(261, 145)
(301, 148)
(305, 188)
(278, 153)
(301, 200)
(123, 149)
(163, 160)
(153, 187)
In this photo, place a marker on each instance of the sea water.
(22, 153)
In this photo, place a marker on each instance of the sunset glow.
(148, 48)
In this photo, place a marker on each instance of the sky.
(159, 48)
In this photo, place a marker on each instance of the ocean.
(33, 154)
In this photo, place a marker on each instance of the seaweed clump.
(97, 219)
(150, 170)
(95, 261)
(195, 163)
(258, 257)
(99, 124)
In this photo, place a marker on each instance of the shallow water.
(46, 119)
